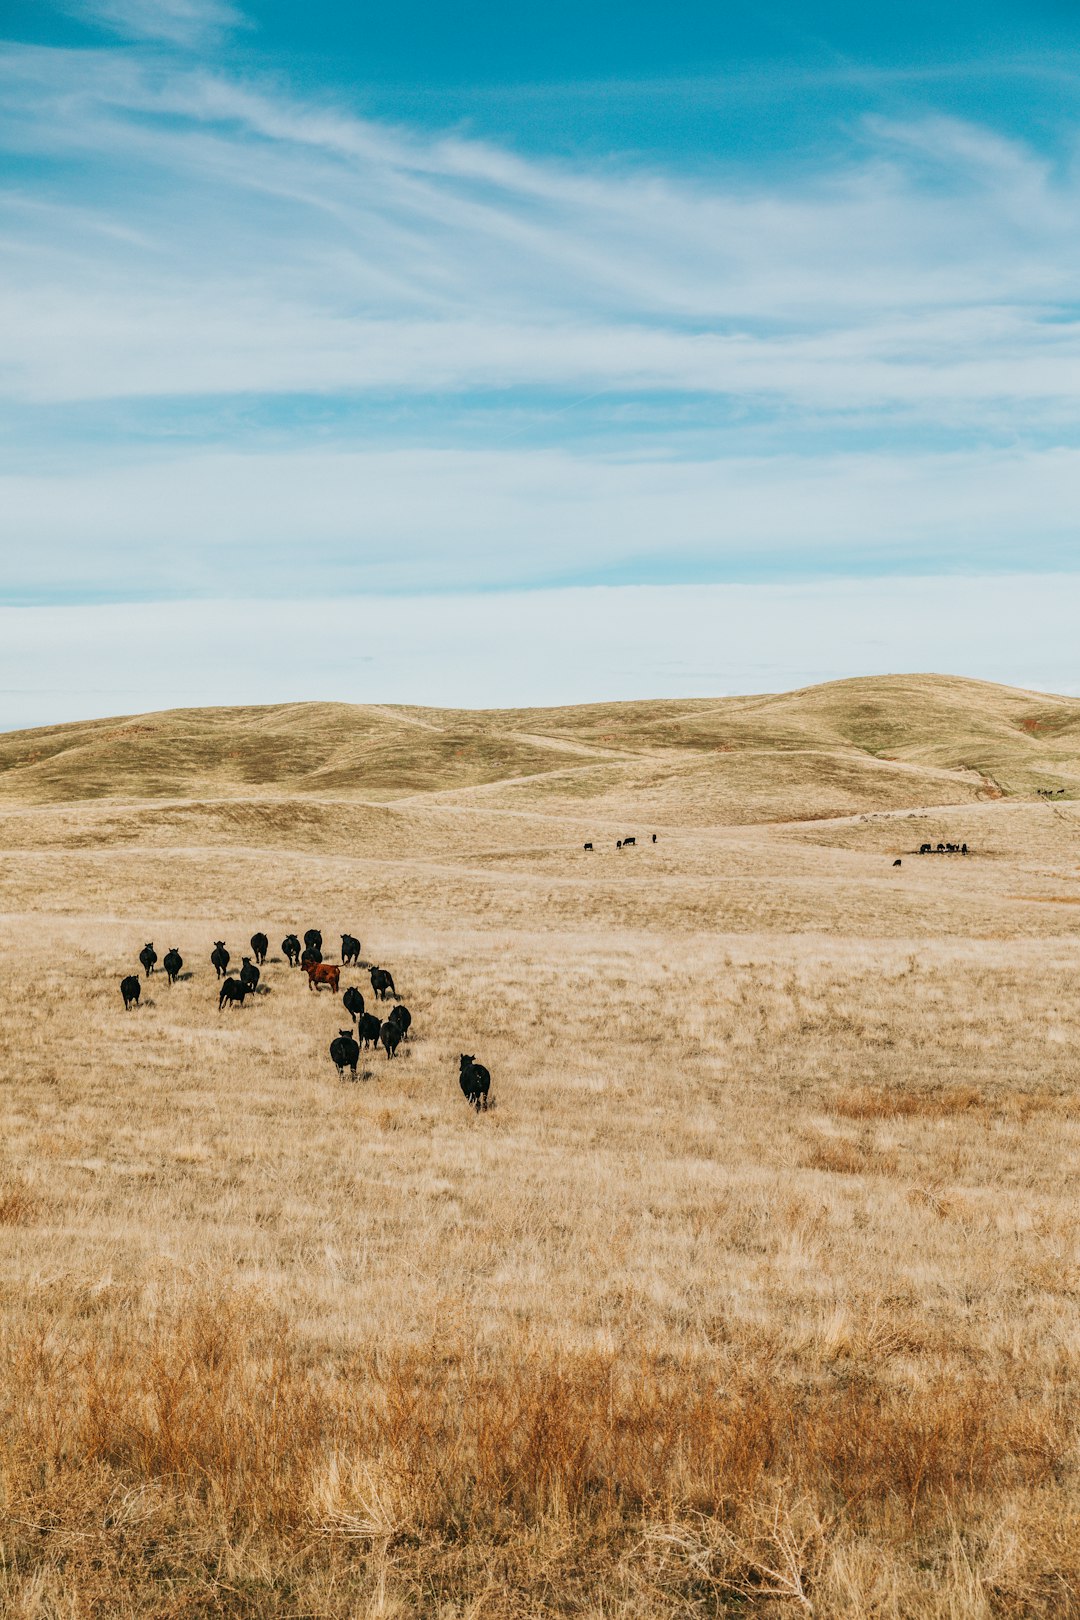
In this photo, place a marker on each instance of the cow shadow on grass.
(182, 978)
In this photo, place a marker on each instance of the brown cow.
(323, 973)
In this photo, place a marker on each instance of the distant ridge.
(875, 740)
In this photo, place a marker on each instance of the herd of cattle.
(942, 849)
(366, 1029)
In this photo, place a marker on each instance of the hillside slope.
(878, 742)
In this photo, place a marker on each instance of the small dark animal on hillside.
(320, 973)
(350, 948)
(402, 1017)
(963, 849)
(219, 958)
(390, 1034)
(627, 842)
(172, 962)
(259, 947)
(898, 863)
(618, 843)
(367, 1029)
(249, 975)
(130, 990)
(353, 1002)
(344, 1052)
(310, 958)
(313, 940)
(475, 1082)
(148, 956)
(381, 982)
(654, 838)
(588, 846)
(290, 949)
(232, 991)
(924, 849)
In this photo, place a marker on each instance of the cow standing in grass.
(172, 962)
(259, 947)
(219, 958)
(148, 957)
(131, 990)
(290, 950)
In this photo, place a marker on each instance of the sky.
(500, 355)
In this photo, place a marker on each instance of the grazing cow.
(290, 949)
(963, 849)
(941, 849)
(381, 982)
(320, 973)
(618, 843)
(402, 1017)
(232, 991)
(367, 1029)
(627, 842)
(353, 1002)
(219, 958)
(924, 849)
(350, 948)
(344, 1052)
(313, 941)
(588, 846)
(172, 962)
(131, 991)
(148, 956)
(390, 1034)
(898, 863)
(475, 1082)
(259, 947)
(249, 975)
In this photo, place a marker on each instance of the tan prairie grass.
(756, 1292)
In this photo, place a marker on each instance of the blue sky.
(332, 302)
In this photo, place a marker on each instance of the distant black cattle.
(588, 846)
(628, 841)
(344, 1052)
(350, 948)
(232, 991)
(172, 962)
(131, 991)
(963, 849)
(654, 838)
(618, 843)
(148, 956)
(290, 949)
(381, 982)
(390, 1034)
(924, 849)
(402, 1017)
(249, 975)
(259, 947)
(313, 941)
(475, 1082)
(219, 958)
(353, 1002)
(898, 863)
(367, 1029)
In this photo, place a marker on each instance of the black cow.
(963, 849)
(627, 842)
(618, 843)
(344, 1052)
(259, 947)
(353, 1002)
(313, 941)
(654, 838)
(381, 982)
(898, 863)
(367, 1029)
(402, 1017)
(131, 991)
(148, 956)
(924, 849)
(390, 1034)
(172, 962)
(290, 949)
(475, 1082)
(219, 958)
(249, 975)
(233, 991)
(350, 949)
(588, 846)
(310, 959)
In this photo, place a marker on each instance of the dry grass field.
(757, 1291)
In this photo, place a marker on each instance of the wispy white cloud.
(186, 23)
